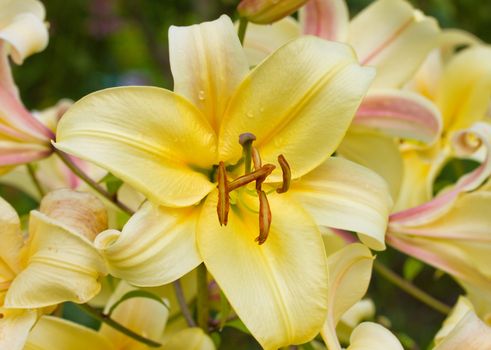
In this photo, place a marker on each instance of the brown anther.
(256, 158)
(264, 217)
(2, 315)
(223, 206)
(287, 174)
(243, 180)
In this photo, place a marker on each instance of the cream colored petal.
(267, 11)
(149, 137)
(262, 40)
(367, 148)
(465, 88)
(327, 19)
(459, 311)
(14, 328)
(15, 153)
(156, 246)
(52, 333)
(298, 102)
(60, 265)
(82, 212)
(12, 241)
(11, 8)
(279, 288)
(362, 310)
(144, 316)
(350, 270)
(345, 195)
(6, 79)
(372, 336)
(393, 44)
(400, 113)
(207, 63)
(189, 339)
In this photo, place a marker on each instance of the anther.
(287, 174)
(256, 158)
(264, 217)
(243, 180)
(223, 206)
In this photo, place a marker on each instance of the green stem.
(35, 180)
(410, 288)
(242, 29)
(98, 188)
(202, 298)
(117, 326)
(182, 304)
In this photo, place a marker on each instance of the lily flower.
(267, 11)
(236, 168)
(23, 138)
(57, 263)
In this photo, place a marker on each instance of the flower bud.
(268, 11)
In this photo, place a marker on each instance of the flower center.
(251, 157)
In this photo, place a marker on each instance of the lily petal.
(267, 11)
(60, 266)
(465, 88)
(207, 63)
(350, 270)
(147, 137)
(189, 339)
(366, 147)
(157, 246)
(345, 195)
(53, 333)
(323, 85)
(262, 40)
(6, 78)
(15, 153)
(14, 328)
(12, 241)
(372, 336)
(279, 288)
(400, 113)
(392, 43)
(327, 19)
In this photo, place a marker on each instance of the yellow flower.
(256, 233)
(57, 263)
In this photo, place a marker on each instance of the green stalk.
(410, 288)
(242, 29)
(182, 304)
(202, 298)
(117, 326)
(35, 180)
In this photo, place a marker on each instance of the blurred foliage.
(96, 44)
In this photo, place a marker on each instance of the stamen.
(287, 174)
(246, 140)
(264, 218)
(256, 158)
(243, 180)
(223, 206)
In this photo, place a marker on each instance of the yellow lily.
(144, 316)
(182, 151)
(23, 138)
(57, 263)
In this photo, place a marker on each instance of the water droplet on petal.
(201, 95)
(250, 115)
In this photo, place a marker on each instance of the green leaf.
(225, 309)
(112, 183)
(412, 268)
(137, 294)
(239, 325)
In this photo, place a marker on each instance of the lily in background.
(56, 263)
(23, 138)
(236, 168)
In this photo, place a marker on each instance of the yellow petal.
(345, 195)
(207, 63)
(12, 242)
(459, 311)
(189, 339)
(465, 88)
(298, 102)
(367, 148)
(14, 328)
(22, 27)
(52, 333)
(149, 137)
(327, 19)
(143, 316)
(267, 11)
(279, 288)
(393, 44)
(60, 265)
(350, 270)
(156, 246)
(262, 40)
(372, 336)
